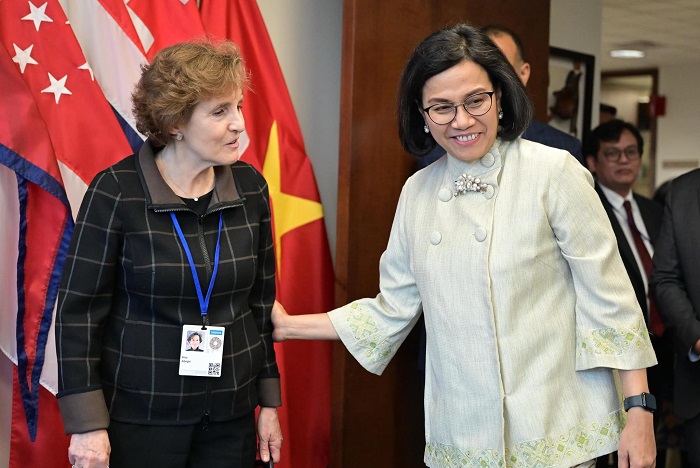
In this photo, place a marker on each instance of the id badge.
(201, 351)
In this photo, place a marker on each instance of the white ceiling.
(667, 30)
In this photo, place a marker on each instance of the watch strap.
(644, 400)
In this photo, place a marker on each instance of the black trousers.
(230, 444)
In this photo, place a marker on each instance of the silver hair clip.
(468, 183)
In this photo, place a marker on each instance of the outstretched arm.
(301, 327)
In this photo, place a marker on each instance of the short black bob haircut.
(442, 50)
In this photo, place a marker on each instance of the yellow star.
(290, 212)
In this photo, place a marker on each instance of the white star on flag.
(86, 66)
(57, 87)
(23, 57)
(37, 15)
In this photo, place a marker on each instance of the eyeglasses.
(614, 154)
(476, 105)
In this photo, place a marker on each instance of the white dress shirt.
(616, 201)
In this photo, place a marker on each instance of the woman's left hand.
(637, 445)
(269, 434)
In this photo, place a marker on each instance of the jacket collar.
(160, 197)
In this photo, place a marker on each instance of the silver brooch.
(468, 183)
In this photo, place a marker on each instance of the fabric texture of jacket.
(127, 290)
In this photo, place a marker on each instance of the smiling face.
(466, 138)
(211, 135)
(620, 175)
(194, 341)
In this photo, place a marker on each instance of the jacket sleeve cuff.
(269, 393)
(84, 412)
(693, 356)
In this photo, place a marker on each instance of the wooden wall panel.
(378, 421)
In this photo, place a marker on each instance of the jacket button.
(445, 194)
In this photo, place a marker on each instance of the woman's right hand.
(89, 450)
(301, 327)
(278, 316)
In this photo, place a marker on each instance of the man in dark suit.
(675, 284)
(614, 154)
(540, 132)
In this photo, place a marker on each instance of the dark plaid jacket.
(127, 289)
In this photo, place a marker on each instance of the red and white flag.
(304, 269)
(161, 24)
(56, 132)
(58, 128)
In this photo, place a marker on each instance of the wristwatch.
(645, 400)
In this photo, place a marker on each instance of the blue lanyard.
(203, 301)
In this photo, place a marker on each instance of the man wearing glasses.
(613, 153)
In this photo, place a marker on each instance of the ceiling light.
(627, 53)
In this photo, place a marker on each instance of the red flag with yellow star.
(304, 269)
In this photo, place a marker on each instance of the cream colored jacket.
(527, 307)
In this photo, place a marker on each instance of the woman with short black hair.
(504, 247)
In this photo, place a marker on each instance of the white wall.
(307, 36)
(678, 136)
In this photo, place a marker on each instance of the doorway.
(632, 93)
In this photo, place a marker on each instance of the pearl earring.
(500, 114)
(426, 129)
(179, 136)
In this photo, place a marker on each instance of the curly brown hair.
(181, 76)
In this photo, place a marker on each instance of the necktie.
(655, 323)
